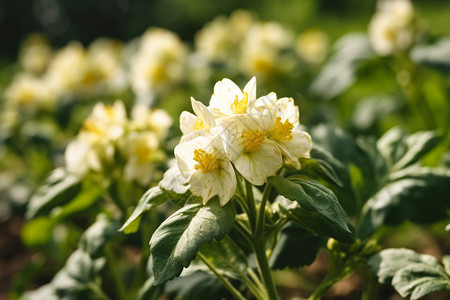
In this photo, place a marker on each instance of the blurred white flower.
(312, 45)
(261, 50)
(220, 39)
(158, 64)
(29, 93)
(391, 28)
(35, 54)
(202, 161)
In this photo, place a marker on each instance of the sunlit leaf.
(436, 56)
(178, 239)
(152, 198)
(411, 274)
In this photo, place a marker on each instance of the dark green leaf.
(152, 198)
(198, 285)
(149, 291)
(418, 194)
(318, 208)
(320, 167)
(98, 234)
(59, 188)
(178, 239)
(436, 56)
(296, 247)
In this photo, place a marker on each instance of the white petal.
(187, 122)
(221, 183)
(257, 166)
(203, 113)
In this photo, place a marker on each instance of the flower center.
(240, 105)
(282, 131)
(93, 127)
(253, 139)
(199, 124)
(206, 161)
(142, 153)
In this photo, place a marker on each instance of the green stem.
(252, 216)
(262, 209)
(259, 245)
(370, 286)
(264, 269)
(224, 281)
(98, 291)
(115, 273)
(337, 271)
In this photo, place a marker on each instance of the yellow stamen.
(282, 131)
(253, 139)
(91, 126)
(240, 105)
(206, 161)
(199, 124)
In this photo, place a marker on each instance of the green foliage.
(59, 188)
(412, 275)
(152, 198)
(296, 247)
(313, 206)
(177, 240)
(340, 71)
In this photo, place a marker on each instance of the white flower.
(228, 99)
(254, 155)
(202, 161)
(390, 29)
(142, 152)
(202, 120)
(159, 63)
(312, 45)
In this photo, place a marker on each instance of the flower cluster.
(109, 140)
(237, 131)
(391, 29)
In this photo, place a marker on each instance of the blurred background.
(32, 145)
(86, 20)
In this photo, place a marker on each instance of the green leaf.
(198, 285)
(401, 150)
(340, 71)
(318, 208)
(371, 110)
(356, 163)
(295, 247)
(416, 194)
(411, 274)
(446, 263)
(57, 189)
(387, 262)
(436, 56)
(149, 291)
(320, 167)
(152, 198)
(98, 234)
(37, 232)
(226, 256)
(177, 240)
